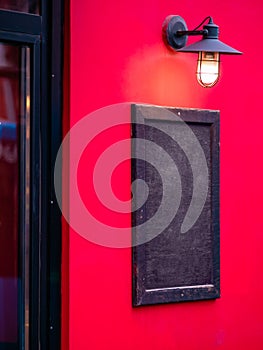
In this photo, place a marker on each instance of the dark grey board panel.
(175, 222)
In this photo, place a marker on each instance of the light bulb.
(208, 68)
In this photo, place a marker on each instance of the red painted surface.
(117, 55)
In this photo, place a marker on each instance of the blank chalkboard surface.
(175, 219)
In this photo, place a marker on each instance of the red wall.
(117, 55)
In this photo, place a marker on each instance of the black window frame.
(44, 35)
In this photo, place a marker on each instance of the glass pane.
(29, 6)
(14, 195)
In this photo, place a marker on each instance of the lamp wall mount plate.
(172, 25)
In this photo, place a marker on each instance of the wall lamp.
(209, 48)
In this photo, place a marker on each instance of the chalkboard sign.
(175, 219)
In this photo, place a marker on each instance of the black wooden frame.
(44, 35)
(141, 295)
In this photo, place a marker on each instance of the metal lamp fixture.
(208, 48)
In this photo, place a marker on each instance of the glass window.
(14, 194)
(29, 6)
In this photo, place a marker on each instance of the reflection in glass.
(14, 195)
(28, 6)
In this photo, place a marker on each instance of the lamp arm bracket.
(175, 31)
(180, 33)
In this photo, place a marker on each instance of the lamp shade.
(210, 45)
